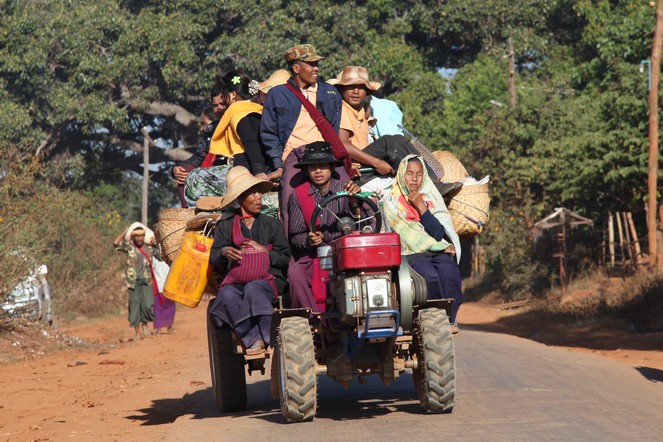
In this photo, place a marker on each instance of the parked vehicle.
(31, 298)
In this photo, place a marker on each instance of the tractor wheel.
(227, 367)
(296, 370)
(435, 375)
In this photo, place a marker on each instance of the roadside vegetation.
(78, 80)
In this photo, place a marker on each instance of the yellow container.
(190, 270)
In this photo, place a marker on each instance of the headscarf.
(405, 220)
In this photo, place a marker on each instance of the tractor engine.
(362, 282)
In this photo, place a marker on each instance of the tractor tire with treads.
(435, 375)
(296, 370)
(227, 369)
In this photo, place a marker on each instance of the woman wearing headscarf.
(251, 253)
(415, 210)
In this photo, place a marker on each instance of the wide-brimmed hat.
(318, 152)
(238, 181)
(353, 75)
(303, 52)
(135, 228)
(277, 78)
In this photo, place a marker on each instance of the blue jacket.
(281, 111)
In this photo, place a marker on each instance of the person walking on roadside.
(138, 274)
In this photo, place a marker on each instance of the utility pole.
(147, 142)
(512, 74)
(653, 137)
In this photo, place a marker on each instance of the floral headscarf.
(404, 219)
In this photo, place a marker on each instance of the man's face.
(319, 174)
(307, 71)
(354, 95)
(251, 200)
(219, 105)
(139, 240)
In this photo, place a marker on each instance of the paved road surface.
(509, 389)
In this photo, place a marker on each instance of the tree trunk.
(653, 136)
(512, 74)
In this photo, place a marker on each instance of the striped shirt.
(298, 227)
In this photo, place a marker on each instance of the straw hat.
(353, 75)
(277, 78)
(131, 231)
(238, 181)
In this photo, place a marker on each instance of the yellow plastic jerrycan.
(190, 270)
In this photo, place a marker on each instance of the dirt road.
(159, 389)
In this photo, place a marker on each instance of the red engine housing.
(371, 251)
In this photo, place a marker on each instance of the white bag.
(161, 270)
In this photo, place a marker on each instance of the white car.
(31, 298)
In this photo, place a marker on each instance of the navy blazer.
(281, 111)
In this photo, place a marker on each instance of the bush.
(69, 231)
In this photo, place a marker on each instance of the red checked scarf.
(320, 277)
(254, 264)
(326, 130)
(155, 287)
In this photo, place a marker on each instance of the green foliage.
(79, 79)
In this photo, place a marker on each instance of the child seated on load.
(307, 286)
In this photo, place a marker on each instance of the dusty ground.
(90, 384)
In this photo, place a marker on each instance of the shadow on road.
(165, 411)
(334, 403)
(652, 374)
(559, 330)
(358, 402)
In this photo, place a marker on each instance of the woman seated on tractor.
(307, 286)
(251, 252)
(416, 211)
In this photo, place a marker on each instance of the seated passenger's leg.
(450, 280)
(425, 267)
(258, 296)
(392, 149)
(247, 332)
(442, 279)
(229, 307)
(300, 275)
(291, 178)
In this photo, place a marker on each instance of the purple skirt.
(164, 312)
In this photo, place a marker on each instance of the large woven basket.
(469, 210)
(170, 230)
(453, 168)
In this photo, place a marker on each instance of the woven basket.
(470, 210)
(170, 230)
(453, 168)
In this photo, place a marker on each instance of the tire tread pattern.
(435, 378)
(297, 356)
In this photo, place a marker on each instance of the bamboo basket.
(453, 168)
(170, 230)
(469, 210)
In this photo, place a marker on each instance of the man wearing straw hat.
(354, 85)
(138, 274)
(252, 254)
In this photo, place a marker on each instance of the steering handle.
(362, 198)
